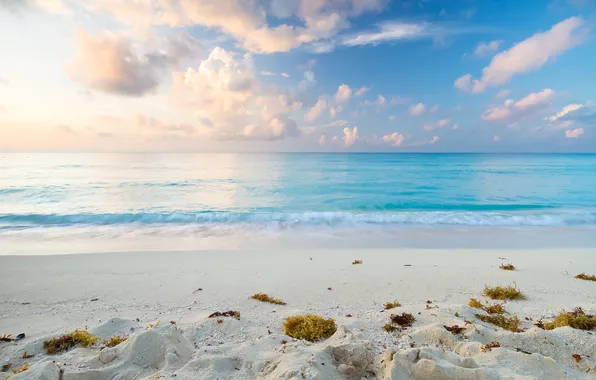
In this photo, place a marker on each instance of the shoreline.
(49, 295)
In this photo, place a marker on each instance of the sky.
(298, 75)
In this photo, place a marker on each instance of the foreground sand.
(121, 293)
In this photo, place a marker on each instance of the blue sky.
(298, 75)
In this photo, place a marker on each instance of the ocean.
(90, 202)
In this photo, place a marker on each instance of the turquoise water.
(222, 194)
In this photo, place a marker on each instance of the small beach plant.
(266, 298)
(309, 327)
(504, 292)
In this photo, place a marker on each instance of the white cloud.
(361, 91)
(496, 138)
(344, 92)
(108, 63)
(564, 112)
(434, 108)
(394, 139)
(316, 110)
(417, 110)
(392, 117)
(574, 133)
(484, 49)
(502, 94)
(322, 139)
(229, 101)
(350, 136)
(285, 75)
(267, 73)
(381, 101)
(437, 125)
(335, 110)
(455, 126)
(514, 111)
(402, 31)
(526, 56)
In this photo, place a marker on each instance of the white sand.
(45, 296)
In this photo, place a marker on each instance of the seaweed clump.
(309, 327)
(403, 320)
(508, 323)
(503, 293)
(266, 298)
(356, 262)
(507, 266)
(231, 313)
(21, 369)
(392, 305)
(76, 338)
(490, 346)
(496, 308)
(114, 341)
(455, 329)
(576, 319)
(587, 277)
(389, 327)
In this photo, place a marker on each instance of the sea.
(76, 203)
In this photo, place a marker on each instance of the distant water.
(200, 196)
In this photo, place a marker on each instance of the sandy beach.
(125, 293)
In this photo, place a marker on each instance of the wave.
(456, 218)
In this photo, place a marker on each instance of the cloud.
(108, 63)
(230, 102)
(434, 108)
(65, 129)
(392, 117)
(574, 133)
(437, 125)
(496, 138)
(433, 140)
(526, 56)
(322, 139)
(256, 26)
(417, 109)
(402, 31)
(344, 92)
(514, 111)
(484, 49)
(285, 75)
(395, 139)
(361, 91)
(398, 100)
(564, 112)
(267, 73)
(350, 136)
(502, 94)
(48, 6)
(316, 110)
(153, 125)
(455, 126)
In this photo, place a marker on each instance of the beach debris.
(198, 290)
(403, 319)
(355, 262)
(283, 341)
(263, 297)
(507, 266)
(456, 314)
(20, 336)
(152, 325)
(26, 355)
(94, 299)
(21, 369)
(490, 346)
(576, 319)
(455, 329)
(329, 289)
(7, 338)
(25, 303)
(508, 323)
(114, 341)
(389, 327)
(504, 292)
(231, 313)
(348, 315)
(6, 367)
(310, 258)
(407, 265)
(172, 322)
(491, 309)
(577, 357)
(220, 321)
(391, 305)
(587, 277)
(76, 338)
(309, 327)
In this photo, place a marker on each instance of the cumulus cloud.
(344, 92)
(526, 56)
(231, 103)
(108, 63)
(350, 136)
(316, 110)
(437, 125)
(417, 109)
(256, 26)
(395, 139)
(514, 111)
(322, 139)
(483, 49)
(361, 91)
(574, 133)
(564, 112)
(502, 94)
